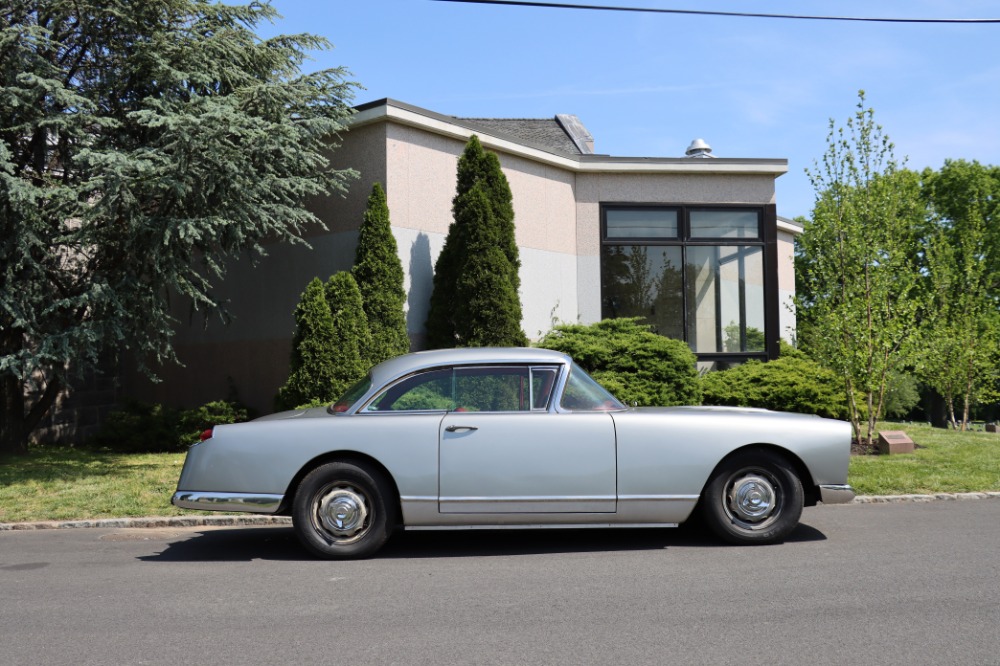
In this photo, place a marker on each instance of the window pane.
(426, 391)
(644, 281)
(725, 291)
(542, 382)
(492, 390)
(641, 223)
(583, 394)
(725, 224)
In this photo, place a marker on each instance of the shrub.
(791, 383)
(143, 428)
(633, 363)
(312, 363)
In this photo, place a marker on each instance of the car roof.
(417, 361)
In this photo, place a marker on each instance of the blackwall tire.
(343, 510)
(754, 497)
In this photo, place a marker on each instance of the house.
(693, 244)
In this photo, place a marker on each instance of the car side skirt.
(534, 526)
(202, 501)
(835, 494)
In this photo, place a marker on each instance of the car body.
(516, 438)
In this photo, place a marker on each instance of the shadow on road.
(279, 543)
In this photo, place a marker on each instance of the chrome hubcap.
(342, 512)
(751, 498)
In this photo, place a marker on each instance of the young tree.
(379, 275)
(857, 310)
(488, 213)
(313, 363)
(350, 330)
(960, 345)
(141, 145)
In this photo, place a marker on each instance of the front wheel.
(755, 497)
(343, 511)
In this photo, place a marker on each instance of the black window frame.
(767, 239)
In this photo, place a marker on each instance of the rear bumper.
(258, 503)
(836, 494)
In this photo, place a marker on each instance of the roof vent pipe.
(699, 148)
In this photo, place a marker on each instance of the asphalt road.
(864, 584)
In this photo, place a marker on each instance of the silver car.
(513, 438)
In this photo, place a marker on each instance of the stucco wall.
(786, 285)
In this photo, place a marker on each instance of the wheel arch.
(354, 457)
(809, 488)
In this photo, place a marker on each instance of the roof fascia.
(389, 110)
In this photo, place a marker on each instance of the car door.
(503, 450)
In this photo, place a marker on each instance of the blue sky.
(647, 84)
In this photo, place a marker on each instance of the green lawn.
(70, 484)
(945, 462)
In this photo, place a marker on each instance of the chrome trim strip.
(554, 526)
(202, 501)
(528, 498)
(836, 493)
(657, 498)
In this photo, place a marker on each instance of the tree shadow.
(280, 544)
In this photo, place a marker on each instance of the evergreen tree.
(313, 364)
(140, 145)
(350, 330)
(483, 215)
(379, 275)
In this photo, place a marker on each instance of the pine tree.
(379, 275)
(483, 215)
(350, 331)
(142, 145)
(313, 364)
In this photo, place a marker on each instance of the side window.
(583, 394)
(428, 391)
(498, 389)
(543, 380)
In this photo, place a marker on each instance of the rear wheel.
(343, 510)
(755, 497)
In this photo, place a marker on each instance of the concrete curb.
(256, 519)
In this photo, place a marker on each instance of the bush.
(142, 428)
(791, 383)
(633, 363)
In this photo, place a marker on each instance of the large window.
(696, 274)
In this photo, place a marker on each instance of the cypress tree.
(483, 222)
(350, 329)
(379, 276)
(313, 369)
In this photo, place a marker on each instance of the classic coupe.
(513, 438)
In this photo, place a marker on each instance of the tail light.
(206, 434)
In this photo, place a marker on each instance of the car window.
(352, 395)
(470, 389)
(583, 394)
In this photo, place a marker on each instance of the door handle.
(455, 428)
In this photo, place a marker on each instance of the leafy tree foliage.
(855, 261)
(379, 275)
(140, 145)
(630, 361)
(790, 383)
(350, 330)
(483, 214)
(960, 351)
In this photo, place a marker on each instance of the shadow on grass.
(280, 544)
(60, 464)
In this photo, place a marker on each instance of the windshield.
(583, 394)
(351, 396)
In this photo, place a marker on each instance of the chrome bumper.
(226, 501)
(836, 494)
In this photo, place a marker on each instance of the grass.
(945, 462)
(74, 484)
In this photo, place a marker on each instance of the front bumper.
(259, 503)
(836, 494)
